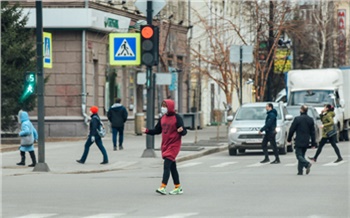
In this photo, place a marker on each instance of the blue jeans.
(302, 162)
(115, 131)
(100, 146)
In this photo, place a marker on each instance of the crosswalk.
(104, 215)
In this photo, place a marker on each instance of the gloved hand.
(92, 138)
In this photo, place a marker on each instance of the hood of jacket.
(171, 106)
(331, 113)
(116, 105)
(272, 111)
(23, 116)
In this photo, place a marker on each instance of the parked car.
(312, 112)
(249, 119)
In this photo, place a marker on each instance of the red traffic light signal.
(149, 45)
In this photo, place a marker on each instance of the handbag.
(101, 129)
(27, 140)
(332, 132)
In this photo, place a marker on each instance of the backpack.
(101, 129)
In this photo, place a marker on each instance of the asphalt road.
(217, 185)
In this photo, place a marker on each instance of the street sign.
(247, 54)
(47, 46)
(124, 49)
(157, 5)
(161, 78)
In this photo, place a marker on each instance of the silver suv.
(249, 119)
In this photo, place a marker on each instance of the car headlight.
(278, 129)
(233, 130)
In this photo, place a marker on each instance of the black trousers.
(302, 162)
(270, 137)
(323, 141)
(170, 167)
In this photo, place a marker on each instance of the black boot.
(23, 159)
(32, 155)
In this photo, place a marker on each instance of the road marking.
(258, 164)
(106, 215)
(189, 164)
(224, 164)
(334, 164)
(37, 215)
(180, 215)
(291, 164)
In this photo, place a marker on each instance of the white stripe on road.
(258, 164)
(180, 215)
(106, 215)
(224, 164)
(189, 164)
(334, 164)
(291, 164)
(38, 215)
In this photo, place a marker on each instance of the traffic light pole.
(41, 165)
(149, 151)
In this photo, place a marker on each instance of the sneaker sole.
(160, 192)
(180, 193)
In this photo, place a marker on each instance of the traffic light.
(29, 85)
(149, 45)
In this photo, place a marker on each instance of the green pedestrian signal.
(29, 85)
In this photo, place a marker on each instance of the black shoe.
(276, 162)
(311, 158)
(338, 160)
(308, 168)
(121, 148)
(21, 164)
(79, 161)
(300, 174)
(266, 160)
(31, 165)
(114, 148)
(104, 162)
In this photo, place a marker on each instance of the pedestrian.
(28, 135)
(117, 115)
(270, 134)
(327, 116)
(94, 137)
(172, 128)
(304, 127)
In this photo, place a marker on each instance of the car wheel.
(241, 150)
(232, 151)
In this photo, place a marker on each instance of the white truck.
(318, 87)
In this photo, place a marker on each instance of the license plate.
(254, 141)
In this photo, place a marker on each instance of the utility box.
(139, 123)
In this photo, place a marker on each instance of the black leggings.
(170, 166)
(323, 141)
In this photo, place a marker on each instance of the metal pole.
(240, 74)
(149, 151)
(41, 165)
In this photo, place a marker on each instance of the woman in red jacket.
(172, 128)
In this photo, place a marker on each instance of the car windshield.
(311, 97)
(254, 113)
(294, 111)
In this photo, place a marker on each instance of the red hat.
(94, 109)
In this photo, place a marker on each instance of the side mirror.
(289, 117)
(229, 118)
(342, 103)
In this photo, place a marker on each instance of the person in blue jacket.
(29, 132)
(117, 115)
(270, 134)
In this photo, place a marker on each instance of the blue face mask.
(164, 110)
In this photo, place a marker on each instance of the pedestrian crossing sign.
(47, 44)
(124, 49)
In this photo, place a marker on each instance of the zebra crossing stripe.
(180, 215)
(38, 215)
(106, 215)
(189, 164)
(334, 164)
(257, 164)
(224, 164)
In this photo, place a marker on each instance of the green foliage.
(17, 57)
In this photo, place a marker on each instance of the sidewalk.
(61, 156)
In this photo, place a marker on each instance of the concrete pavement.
(61, 156)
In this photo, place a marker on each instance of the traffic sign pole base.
(41, 167)
(148, 152)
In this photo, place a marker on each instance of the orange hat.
(94, 109)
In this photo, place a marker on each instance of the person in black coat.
(304, 127)
(270, 134)
(117, 115)
(94, 137)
